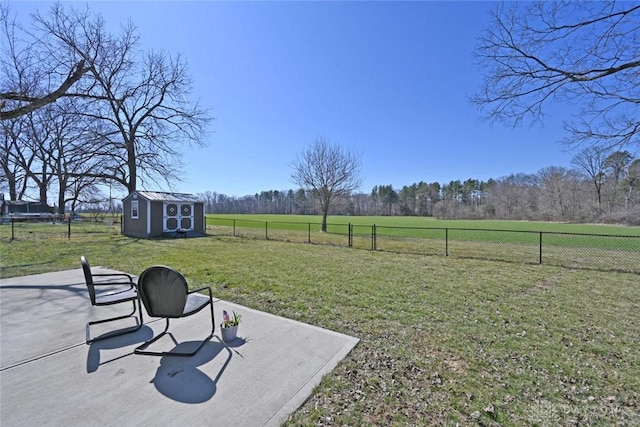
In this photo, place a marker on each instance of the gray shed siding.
(136, 227)
(151, 213)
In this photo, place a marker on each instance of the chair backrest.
(89, 279)
(163, 291)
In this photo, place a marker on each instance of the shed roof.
(160, 196)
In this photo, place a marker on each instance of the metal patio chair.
(165, 294)
(125, 291)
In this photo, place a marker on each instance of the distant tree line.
(601, 186)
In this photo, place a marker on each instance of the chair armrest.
(130, 284)
(202, 289)
(128, 276)
(129, 281)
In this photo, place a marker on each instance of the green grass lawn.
(443, 340)
(338, 221)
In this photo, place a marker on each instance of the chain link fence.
(607, 252)
(57, 227)
(575, 250)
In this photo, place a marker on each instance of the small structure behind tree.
(24, 210)
(154, 214)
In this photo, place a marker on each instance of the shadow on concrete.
(179, 378)
(95, 348)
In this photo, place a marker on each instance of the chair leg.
(141, 349)
(140, 320)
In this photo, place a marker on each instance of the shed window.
(134, 209)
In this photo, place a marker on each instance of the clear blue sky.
(388, 80)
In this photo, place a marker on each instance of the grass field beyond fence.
(444, 340)
(591, 246)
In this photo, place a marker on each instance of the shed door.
(178, 216)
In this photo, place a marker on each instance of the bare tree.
(73, 160)
(559, 195)
(591, 163)
(30, 80)
(328, 171)
(632, 184)
(142, 114)
(617, 163)
(580, 53)
(514, 197)
(13, 172)
(39, 139)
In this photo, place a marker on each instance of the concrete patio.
(49, 376)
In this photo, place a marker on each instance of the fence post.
(350, 236)
(541, 247)
(446, 242)
(266, 230)
(12, 230)
(309, 232)
(69, 228)
(234, 227)
(373, 237)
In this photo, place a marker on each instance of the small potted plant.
(229, 325)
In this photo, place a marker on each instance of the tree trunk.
(131, 166)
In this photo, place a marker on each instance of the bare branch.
(585, 55)
(35, 103)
